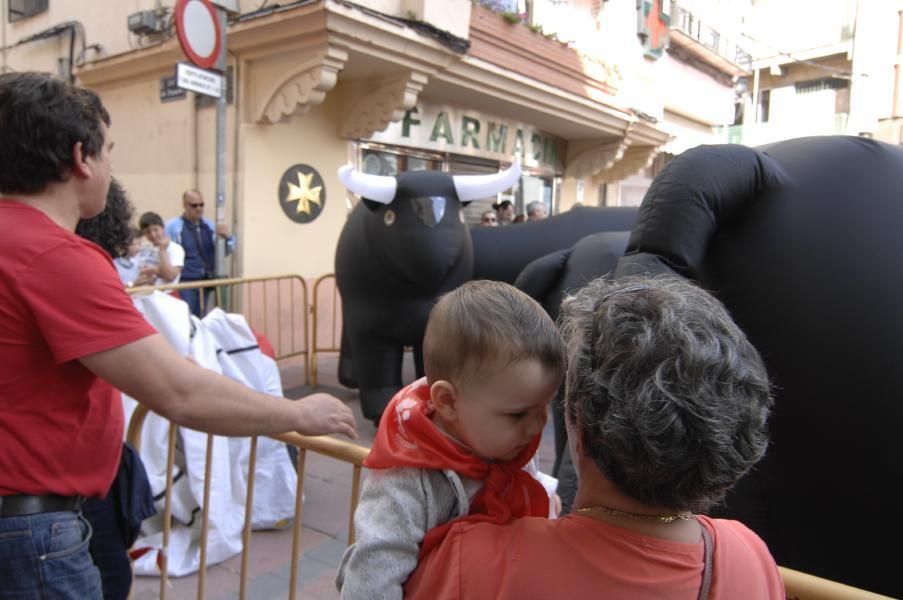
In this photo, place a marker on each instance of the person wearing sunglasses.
(489, 219)
(197, 236)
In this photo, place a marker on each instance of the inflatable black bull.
(399, 251)
(402, 246)
(803, 241)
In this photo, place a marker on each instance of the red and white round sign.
(198, 29)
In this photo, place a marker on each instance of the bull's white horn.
(378, 188)
(474, 187)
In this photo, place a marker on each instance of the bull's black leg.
(377, 367)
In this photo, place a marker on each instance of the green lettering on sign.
(550, 153)
(496, 137)
(536, 143)
(470, 130)
(518, 149)
(442, 128)
(407, 121)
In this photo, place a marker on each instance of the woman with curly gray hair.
(666, 403)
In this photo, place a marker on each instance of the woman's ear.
(444, 397)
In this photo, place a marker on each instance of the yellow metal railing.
(348, 452)
(275, 306)
(798, 586)
(802, 586)
(326, 310)
(255, 306)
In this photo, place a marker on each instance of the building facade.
(821, 68)
(386, 85)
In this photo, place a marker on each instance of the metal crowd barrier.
(802, 586)
(254, 305)
(326, 313)
(348, 452)
(798, 586)
(275, 306)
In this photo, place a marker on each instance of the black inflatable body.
(502, 252)
(547, 279)
(802, 242)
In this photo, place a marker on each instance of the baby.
(454, 445)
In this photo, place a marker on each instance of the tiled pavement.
(324, 523)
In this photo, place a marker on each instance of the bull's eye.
(389, 217)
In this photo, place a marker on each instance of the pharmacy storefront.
(447, 138)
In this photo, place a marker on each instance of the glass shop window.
(463, 166)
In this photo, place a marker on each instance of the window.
(380, 162)
(764, 105)
(817, 85)
(465, 165)
(22, 9)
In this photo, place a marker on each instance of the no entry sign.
(198, 29)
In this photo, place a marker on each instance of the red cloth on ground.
(407, 437)
(579, 557)
(62, 300)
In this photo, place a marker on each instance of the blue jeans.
(46, 556)
(193, 298)
(108, 548)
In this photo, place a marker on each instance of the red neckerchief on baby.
(407, 437)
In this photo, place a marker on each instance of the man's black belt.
(19, 505)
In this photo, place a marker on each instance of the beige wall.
(271, 243)
(105, 23)
(569, 193)
(153, 157)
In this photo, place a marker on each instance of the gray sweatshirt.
(397, 507)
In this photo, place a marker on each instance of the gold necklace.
(620, 513)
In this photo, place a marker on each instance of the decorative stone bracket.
(305, 86)
(386, 103)
(596, 159)
(634, 160)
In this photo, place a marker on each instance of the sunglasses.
(197, 205)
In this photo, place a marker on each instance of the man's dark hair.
(110, 229)
(148, 219)
(41, 119)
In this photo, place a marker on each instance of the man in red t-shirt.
(64, 320)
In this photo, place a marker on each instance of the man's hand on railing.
(322, 414)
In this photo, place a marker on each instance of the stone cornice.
(144, 63)
(324, 38)
(596, 119)
(386, 103)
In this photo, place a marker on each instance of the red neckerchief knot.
(407, 437)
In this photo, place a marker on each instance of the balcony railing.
(690, 25)
(767, 133)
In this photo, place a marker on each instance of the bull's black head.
(427, 192)
(414, 221)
